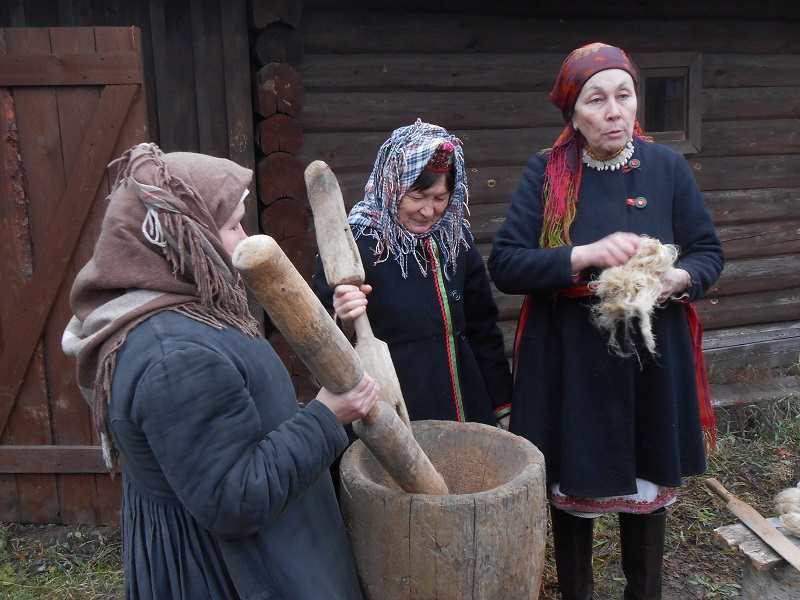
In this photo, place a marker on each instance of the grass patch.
(60, 562)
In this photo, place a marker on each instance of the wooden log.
(285, 218)
(737, 172)
(751, 275)
(349, 152)
(760, 239)
(535, 72)
(483, 32)
(746, 138)
(266, 12)
(456, 546)
(740, 104)
(382, 111)
(280, 175)
(303, 254)
(279, 42)
(279, 90)
(279, 133)
(749, 309)
(730, 207)
(764, 345)
(355, 151)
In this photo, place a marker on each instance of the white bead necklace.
(613, 163)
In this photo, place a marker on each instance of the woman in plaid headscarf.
(429, 296)
(618, 432)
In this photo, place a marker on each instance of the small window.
(670, 93)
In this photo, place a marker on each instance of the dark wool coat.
(226, 486)
(602, 421)
(427, 322)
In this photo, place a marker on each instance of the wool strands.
(787, 504)
(629, 294)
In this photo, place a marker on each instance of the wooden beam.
(101, 68)
(52, 459)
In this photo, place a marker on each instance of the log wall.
(486, 77)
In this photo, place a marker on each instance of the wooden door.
(71, 102)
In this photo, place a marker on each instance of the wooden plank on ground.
(733, 394)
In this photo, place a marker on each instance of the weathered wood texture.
(55, 169)
(488, 81)
(458, 545)
(764, 573)
(196, 70)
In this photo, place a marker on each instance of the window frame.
(671, 64)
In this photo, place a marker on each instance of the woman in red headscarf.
(619, 430)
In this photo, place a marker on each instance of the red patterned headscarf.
(562, 177)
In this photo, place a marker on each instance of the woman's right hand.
(350, 301)
(354, 404)
(611, 251)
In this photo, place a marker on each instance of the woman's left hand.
(673, 281)
(504, 422)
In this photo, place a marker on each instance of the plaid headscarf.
(400, 160)
(562, 176)
(158, 249)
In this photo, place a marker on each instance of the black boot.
(642, 541)
(572, 539)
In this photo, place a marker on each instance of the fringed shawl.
(399, 162)
(158, 249)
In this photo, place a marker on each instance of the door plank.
(76, 200)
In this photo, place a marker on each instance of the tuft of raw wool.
(629, 294)
(787, 505)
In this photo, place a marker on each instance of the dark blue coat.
(602, 421)
(442, 334)
(226, 486)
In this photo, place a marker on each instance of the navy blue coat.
(600, 420)
(226, 486)
(442, 335)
